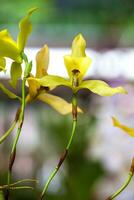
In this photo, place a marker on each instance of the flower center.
(75, 79)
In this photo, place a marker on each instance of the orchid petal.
(42, 61)
(101, 88)
(77, 61)
(128, 130)
(59, 104)
(8, 47)
(25, 27)
(78, 46)
(81, 64)
(33, 87)
(51, 81)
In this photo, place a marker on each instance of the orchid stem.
(21, 119)
(123, 187)
(65, 153)
(20, 122)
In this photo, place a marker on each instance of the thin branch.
(123, 187)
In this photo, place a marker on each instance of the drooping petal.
(8, 92)
(8, 47)
(15, 72)
(25, 27)
(128, 130)
(77, 63)
(57, 103)
(101, 88)
(42, 61)
(51, 81)
(2, 64)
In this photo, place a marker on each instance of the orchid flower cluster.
(39, 86)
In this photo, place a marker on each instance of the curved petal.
(8, 92)
(51, 81)
(128, 130)
(25, 27)
(59, 104)
(33, 87)
(101, 88)
(77, 63)
(8, 47)
(42, 61)
(15, 72)
(2, 64)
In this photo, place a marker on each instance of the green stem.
(5, 135)
(21, 119)
(72, 134)
(123, 186)
(131, 173)
(27, 70)
(65, 153)
(48, 182)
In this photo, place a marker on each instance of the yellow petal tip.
(115, 122)
(78, 46)
(32, 10)
(123, 90)
(126, 129)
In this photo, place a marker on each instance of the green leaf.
(101, 88)
(8, 92)
(15, 72)
(25, 27)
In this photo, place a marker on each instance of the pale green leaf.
(8, 92)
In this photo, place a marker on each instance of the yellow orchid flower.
(12, 49)
(36, 91)
(128, 130)
(77, 61)
(77, 65)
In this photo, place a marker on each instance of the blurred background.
(101, 155)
